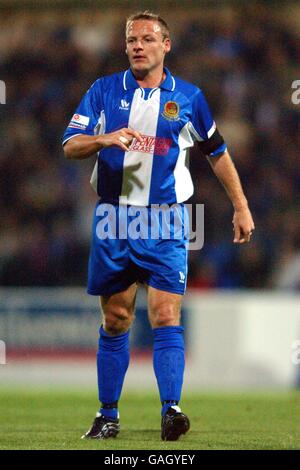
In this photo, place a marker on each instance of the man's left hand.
(243, 225)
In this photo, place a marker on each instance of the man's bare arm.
(225, 171)
(83, 146)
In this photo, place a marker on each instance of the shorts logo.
(171, 111)
(181, 277)
(154, 145)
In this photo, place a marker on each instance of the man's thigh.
(118, 309)
(125, 299)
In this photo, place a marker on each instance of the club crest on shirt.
(171, 111)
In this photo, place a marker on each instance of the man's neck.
(150, 79)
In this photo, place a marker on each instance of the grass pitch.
(57, 419)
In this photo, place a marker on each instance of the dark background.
(243, 56)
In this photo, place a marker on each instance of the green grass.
(56, 420)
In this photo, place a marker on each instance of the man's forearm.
(82, 146)
(225, 171)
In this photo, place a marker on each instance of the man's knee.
(165, 315)
(117, 320)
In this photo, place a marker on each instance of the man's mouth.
(139, 57)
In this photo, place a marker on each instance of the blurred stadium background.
(242, 309)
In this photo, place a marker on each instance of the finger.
(125, 135)
(135, 134)
(249, 234)
(247, 237)
(124, 140)
(243, 238)
(121, 145)
(237, 234)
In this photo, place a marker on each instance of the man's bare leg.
(118, 310)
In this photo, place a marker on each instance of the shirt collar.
(130, 82)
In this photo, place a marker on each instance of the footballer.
(141, 123)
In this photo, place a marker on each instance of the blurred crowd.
(244, 59)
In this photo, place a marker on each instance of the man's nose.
(138, 45)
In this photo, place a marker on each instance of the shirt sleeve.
(204, 128)
(87, 115)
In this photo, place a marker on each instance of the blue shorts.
(133, 244)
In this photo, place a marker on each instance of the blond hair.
(148, 15)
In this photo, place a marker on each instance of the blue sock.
(110, 412)
(112, 364)
(168, 363)
(167, 405)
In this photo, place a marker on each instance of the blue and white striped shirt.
(170, 119)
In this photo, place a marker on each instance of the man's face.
(146, 47)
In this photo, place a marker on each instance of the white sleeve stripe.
(198, 136)
(211, 130)
(195, 133)
(70, 137)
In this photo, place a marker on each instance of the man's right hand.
(83, 146)
(122, 138)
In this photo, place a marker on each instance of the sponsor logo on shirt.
(77, 126)
(79, 119)
(153, 145)
(171, 111)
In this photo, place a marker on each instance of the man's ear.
(167, 44)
